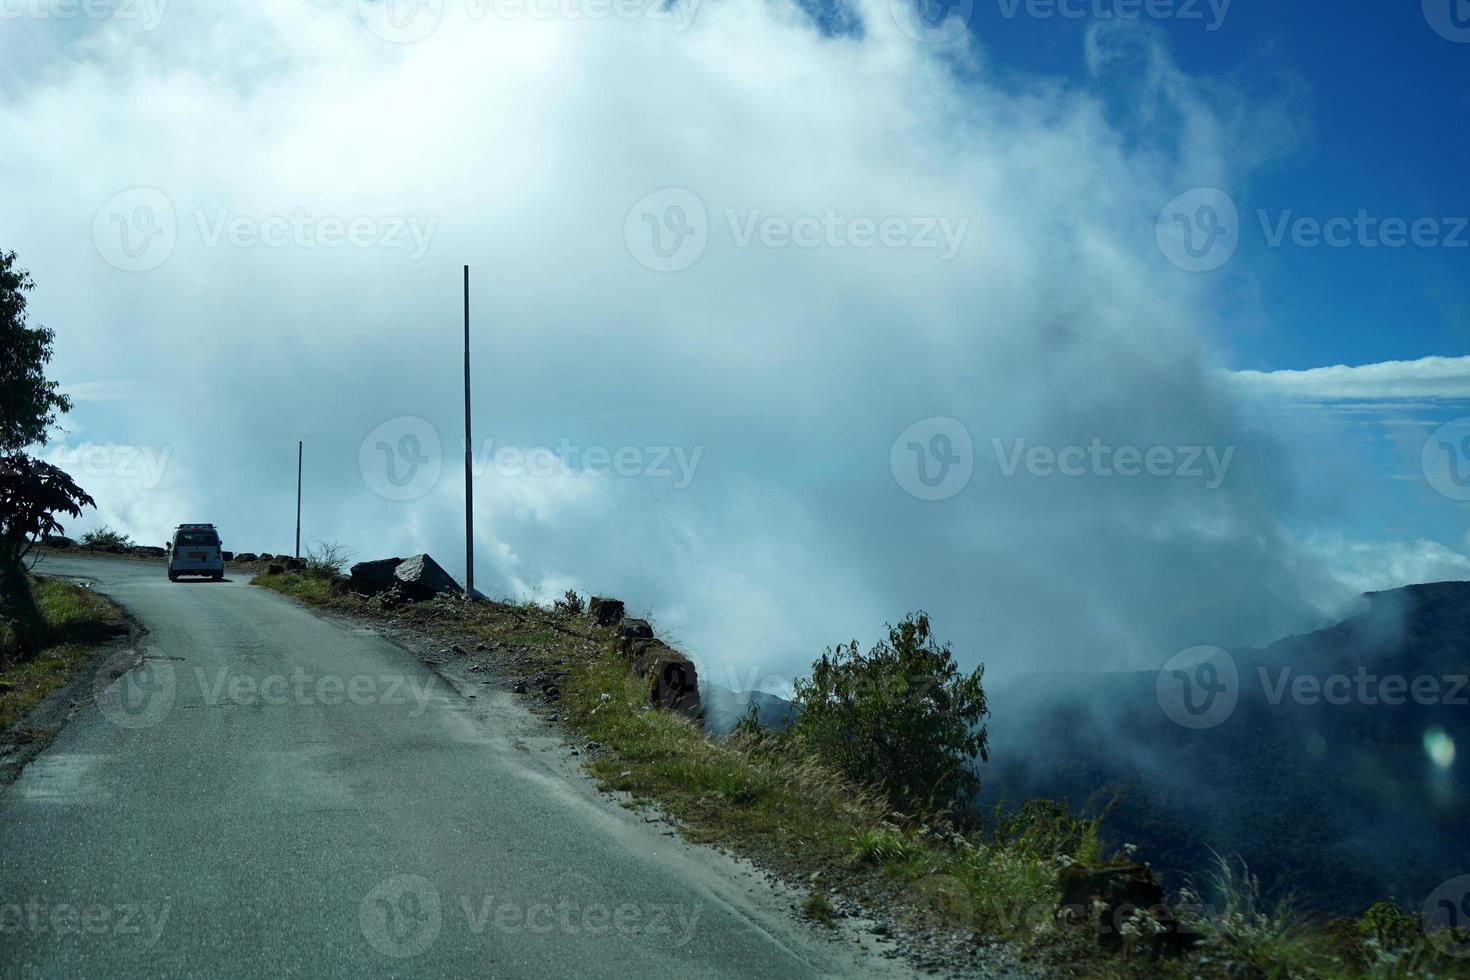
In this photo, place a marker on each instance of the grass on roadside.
(761, 797)
(63, 622)
(776, 801)
(314, 589)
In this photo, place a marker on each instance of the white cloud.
(1426, 378)
(526, 143)
(1376, 566)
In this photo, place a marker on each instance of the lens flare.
(1439, 747)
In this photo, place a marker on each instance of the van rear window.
(198, 538)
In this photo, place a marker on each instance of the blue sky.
(1385, 126)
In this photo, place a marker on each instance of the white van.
(195, 550)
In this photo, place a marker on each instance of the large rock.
(1118, 902)
(246, 557)
(421, 577)
(371, 577)
(604, 611)
(58, 541)
(630, 631)
(147, 551)
(226, 556)
(673, 683)
(294, 564)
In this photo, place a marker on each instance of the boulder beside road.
(421, 577)
(371, 577)
(673, 681)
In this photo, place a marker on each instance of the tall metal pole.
(298, 498)
(469, 476)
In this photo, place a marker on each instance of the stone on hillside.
(673, 681)
(226, 556)
(294, 564)
(147, 551)
(58, 541)
(245, 557)
(630, 631)
(370, 577)
(604, 611)
(274, 569)
(421, 577)
(1117, 902)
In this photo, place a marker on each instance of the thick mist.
(1102, 503)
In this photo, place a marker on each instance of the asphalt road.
(276, 793)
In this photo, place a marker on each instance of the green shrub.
(1044, 830)
(902, 716)
(882, 845)
(324, 560)
(818, 908)
(1249, 936)
(1389, 925)
(570, 603)
(105, 538)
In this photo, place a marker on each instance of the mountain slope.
(1333, 776)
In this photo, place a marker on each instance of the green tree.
(902, 715)
(29, 402)
(32, 493)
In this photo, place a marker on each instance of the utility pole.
(469, 475)
(298, 498)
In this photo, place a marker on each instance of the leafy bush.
(903, 716)
(1044, 830)
(105, 538)
(1245, 932)
(570, 603)
(326, 560)
(749, 725)
(1389, 925)
(882, 845)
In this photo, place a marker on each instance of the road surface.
(277, 793)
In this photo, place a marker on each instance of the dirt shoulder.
(78, 629)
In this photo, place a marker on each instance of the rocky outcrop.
(372, 577)
(58, 541)
(421, 577)
(246, 557)
(1119, 904)
(673, 682)
(294, 564)
(274, 569)
(630, 631)
(604, 611)
(147, 551)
